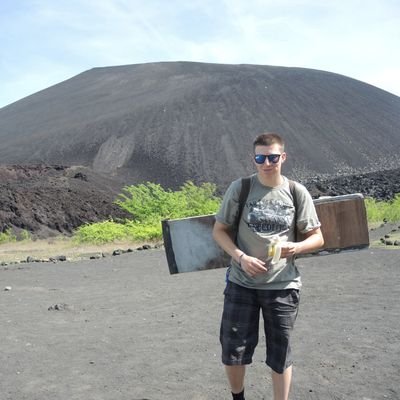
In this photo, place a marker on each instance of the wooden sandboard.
(189, 244)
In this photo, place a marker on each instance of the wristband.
(240, 260)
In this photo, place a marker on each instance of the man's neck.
(271, 181)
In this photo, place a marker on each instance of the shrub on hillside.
(149, 204)
(7, 236)
(149, 201)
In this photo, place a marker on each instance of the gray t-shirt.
(268, 214)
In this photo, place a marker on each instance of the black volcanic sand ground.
(127, 330)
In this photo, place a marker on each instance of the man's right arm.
(223, 235)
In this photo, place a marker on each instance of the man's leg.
(280, 311)
(238, 334)
(235, 374)
(281, 384)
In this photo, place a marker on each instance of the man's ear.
(283, 157)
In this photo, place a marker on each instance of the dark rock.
(144, 247)
(368, 184)
(81, 176)
(61, 258)
(46, 200)
(59, 307)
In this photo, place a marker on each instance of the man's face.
(270, 166)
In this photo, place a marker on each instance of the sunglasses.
(272, 158)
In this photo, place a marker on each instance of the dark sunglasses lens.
(260, 158)
(272, 158)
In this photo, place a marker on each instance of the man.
(255, 281)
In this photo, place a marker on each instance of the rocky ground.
(380, 185)
(48, 200)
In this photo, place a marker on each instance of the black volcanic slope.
(48, 199)
(169, 122)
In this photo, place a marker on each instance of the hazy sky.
(44, 42)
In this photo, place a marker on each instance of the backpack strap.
(244, 193)
(293, 192)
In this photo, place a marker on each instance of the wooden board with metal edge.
(189, 245)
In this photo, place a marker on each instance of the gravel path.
(122, 328)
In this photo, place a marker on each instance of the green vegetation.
(149, 204)
(24, 235)
(8, 236)
(378, 211)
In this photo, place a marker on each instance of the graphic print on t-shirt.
(269, 216)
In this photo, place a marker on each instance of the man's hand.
(313, 241)
(252, 265)
(289, 249)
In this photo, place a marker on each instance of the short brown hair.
(267, 139)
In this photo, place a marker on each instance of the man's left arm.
(313, 240)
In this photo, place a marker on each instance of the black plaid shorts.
(240, 324)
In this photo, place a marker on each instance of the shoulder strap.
(293, 192)
(244, 193)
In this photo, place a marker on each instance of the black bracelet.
(240, 260)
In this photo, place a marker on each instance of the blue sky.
(44, 42)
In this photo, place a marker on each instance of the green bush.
(24, 235)
(7, 236)
(378, 211)
(149, 204)
(100, 232)
(138, 231)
